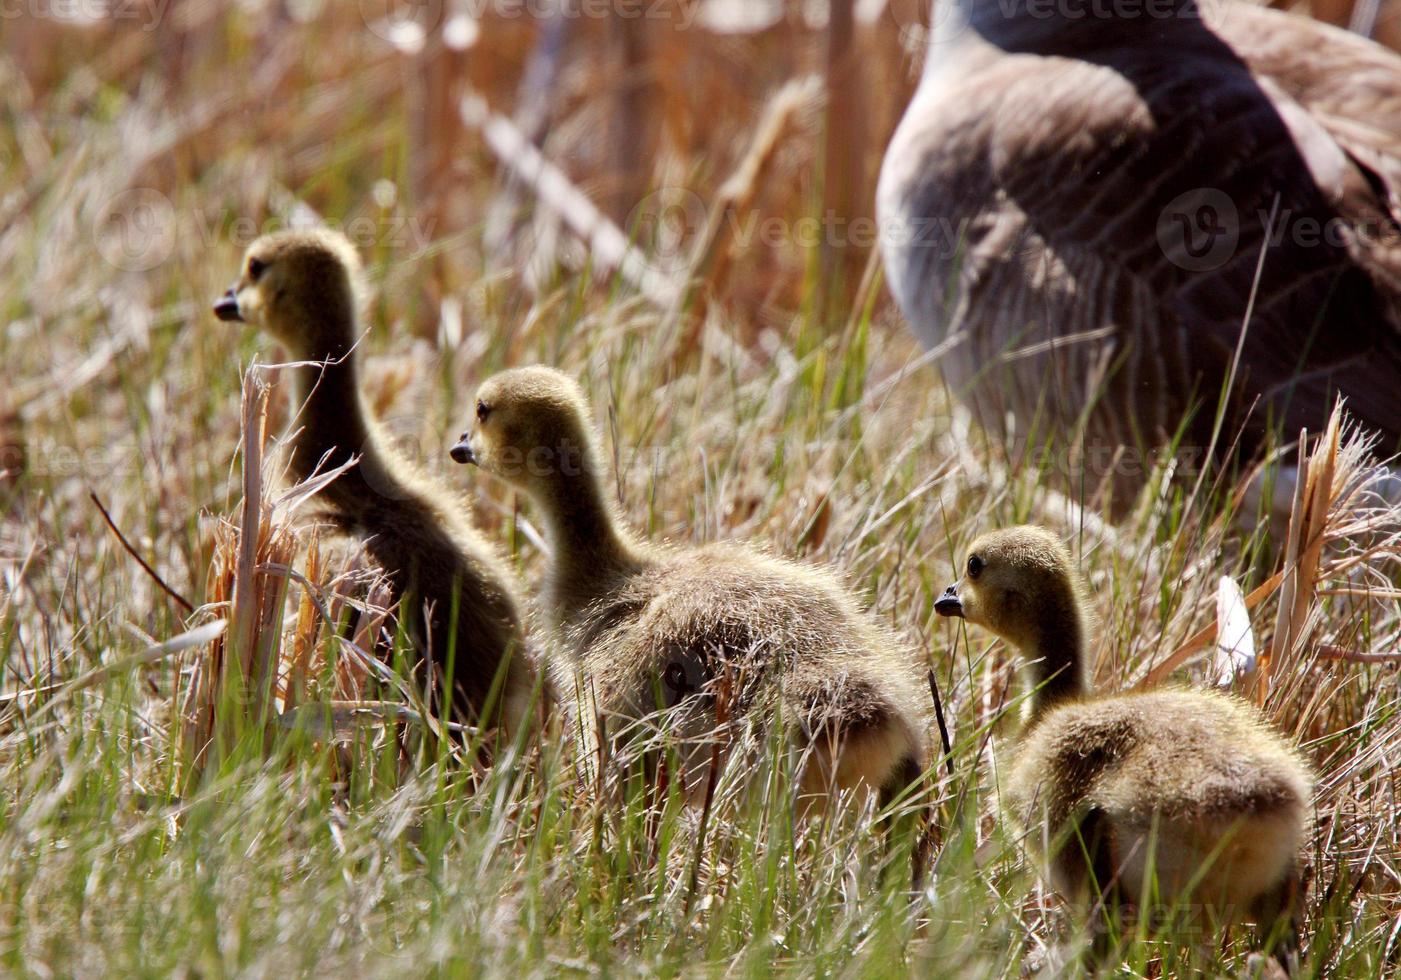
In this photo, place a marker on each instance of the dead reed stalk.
(1336, 501)
(231, 690)
(710, 255)
(608, 245)
(844, 148)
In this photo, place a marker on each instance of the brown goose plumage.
(634, 627)
(1086, 198)
(1179, 796)
(458, 597)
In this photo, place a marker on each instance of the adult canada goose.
(304, 288)
(639, 627)
(1182, 791)
(1076, 202)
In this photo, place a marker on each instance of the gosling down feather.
(1076, 204)
(1178, 794)
(644, 630)
(456, 596)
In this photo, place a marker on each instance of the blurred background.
(614, 186)
(509, 138)
(561, 180)
(141, 132)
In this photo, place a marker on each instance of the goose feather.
(1118, 179)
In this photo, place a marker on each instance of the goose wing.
(1143, 184)
(1351, 88)
(1350, 85)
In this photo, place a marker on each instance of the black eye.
(255, 269)
(483, 410)
(975, 566)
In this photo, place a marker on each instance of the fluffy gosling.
(631, 621)
(304, 288)
(1185, 791)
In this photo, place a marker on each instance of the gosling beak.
(949, 604)
(462, 452)
(227, 307)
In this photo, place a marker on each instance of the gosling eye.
(255, 269)
(483, 410)
(975, 566)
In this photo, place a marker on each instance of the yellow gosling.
(630, 621)
(458, 599)
(1183, 795)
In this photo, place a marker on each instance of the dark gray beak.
(227, 307)
(949, 603)
(462, 452)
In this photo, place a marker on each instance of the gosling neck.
(1055, 658)
(585, 532)
(334, 428)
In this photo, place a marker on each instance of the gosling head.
(303, 287)
(532, 429)
(1016, 583)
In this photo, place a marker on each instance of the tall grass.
(317, 831)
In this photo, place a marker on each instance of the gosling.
(456, 597)
(1184, 791)
(698, 634)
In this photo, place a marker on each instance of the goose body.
(1172, 795)
(457, 597)
(1215, 813)
(637, 628)
(1076, 206)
